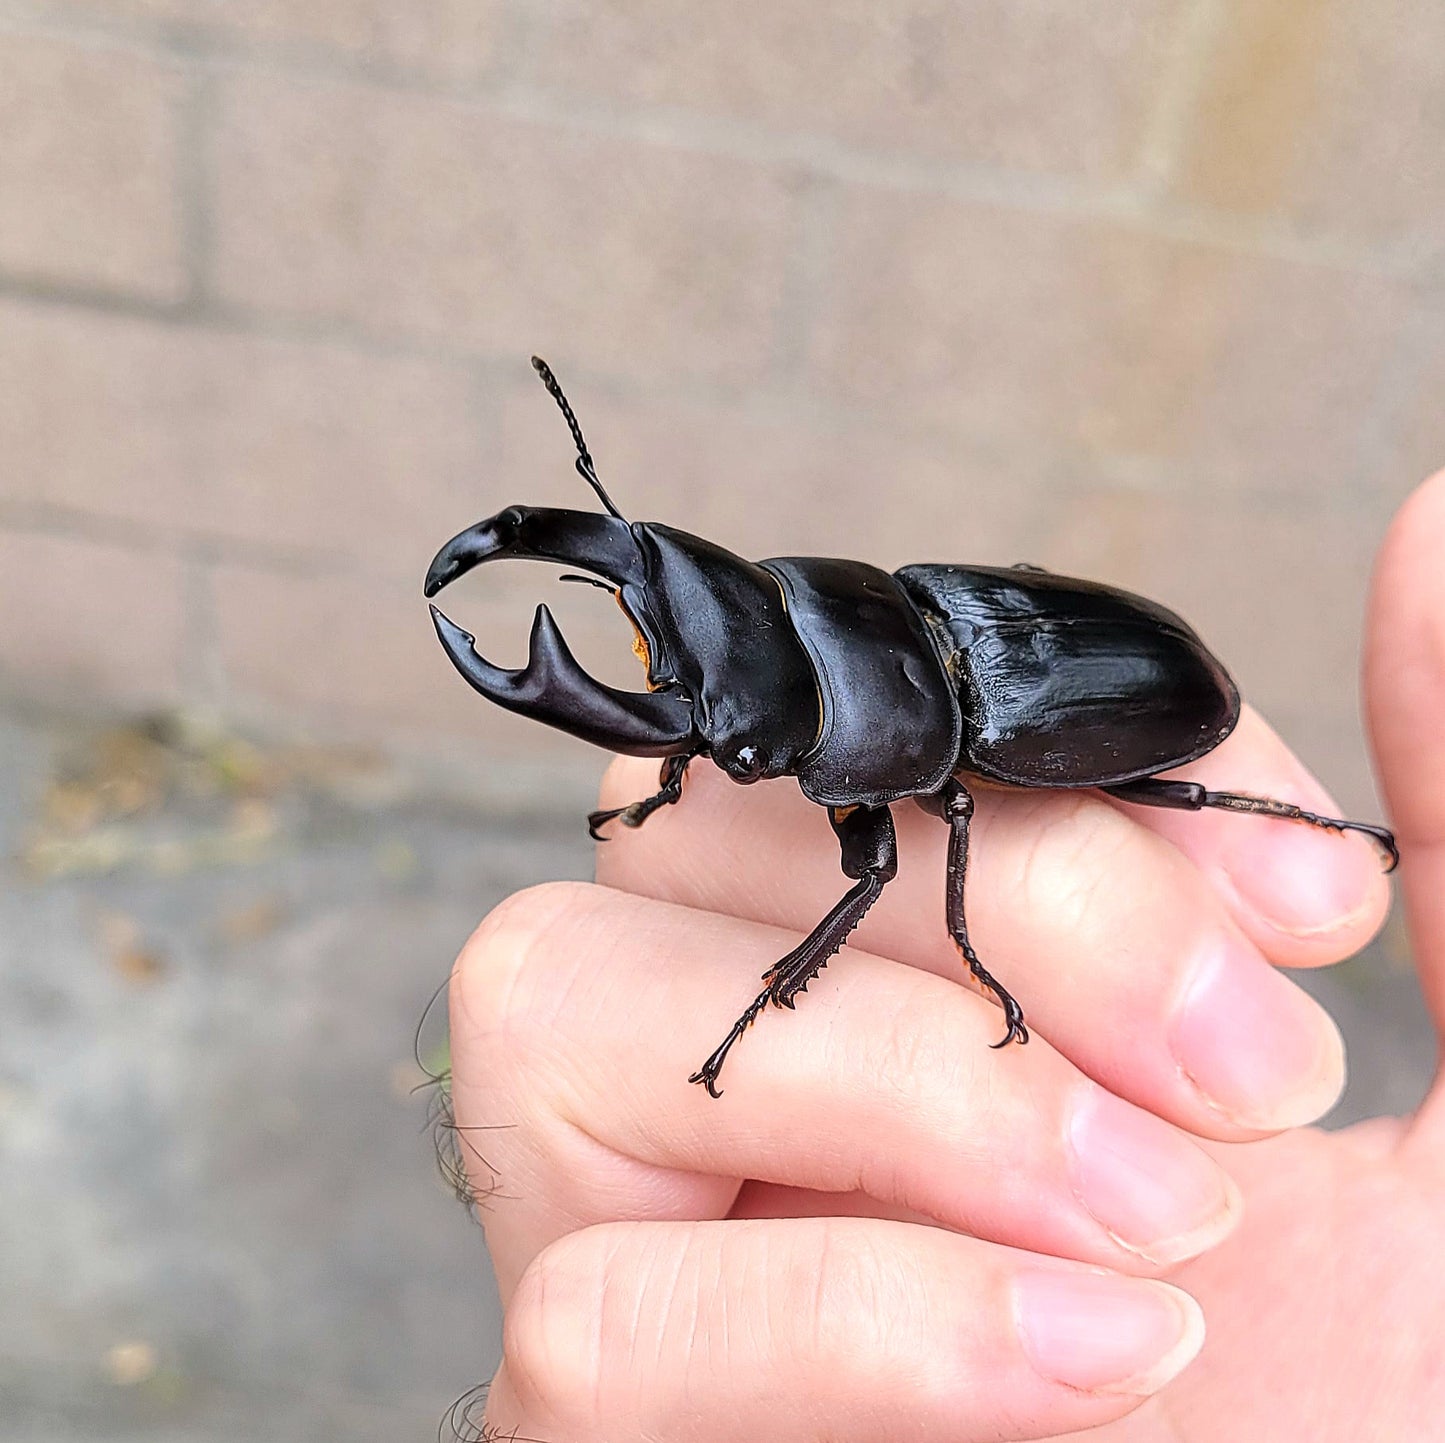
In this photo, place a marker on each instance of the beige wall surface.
(1149, 290)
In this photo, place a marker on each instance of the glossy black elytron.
(867, 686)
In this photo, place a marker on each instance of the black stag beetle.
(865, 686)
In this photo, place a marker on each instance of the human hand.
(1325, 1319)
(885, 1228)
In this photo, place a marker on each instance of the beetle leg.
(1192, 797)
(955, 806)
(669, 790)
(707, 1074)
(869, 854)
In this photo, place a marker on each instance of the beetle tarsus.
(630, 816)
(1194, 797)
(1013, 1015)
(1382, 837)
(669, 792)
(709, 1072)
(1386, 839)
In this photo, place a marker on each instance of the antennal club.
(585, 468)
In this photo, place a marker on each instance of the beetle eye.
(747, 765)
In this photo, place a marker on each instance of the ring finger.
(839, 1328)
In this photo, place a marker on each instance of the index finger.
(1122, 954)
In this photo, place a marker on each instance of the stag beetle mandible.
(867, 687)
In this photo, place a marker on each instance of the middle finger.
(578, 1013)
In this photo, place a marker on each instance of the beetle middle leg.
(869, 854)
(669, 790)
(1192, 797)
(955, 805)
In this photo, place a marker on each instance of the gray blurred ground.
(221, 1212)
(216, 1184)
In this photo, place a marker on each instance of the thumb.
(1405, 702)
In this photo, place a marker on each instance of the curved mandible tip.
(603, 545)
(553, 688)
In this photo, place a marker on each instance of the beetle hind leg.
(955, 806)
(669, 791)
(1192, 797)
(870, 854)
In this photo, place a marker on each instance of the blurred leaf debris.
(176, 792)
(123, 944)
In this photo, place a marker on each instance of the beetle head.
(716, 626)
(725, 672)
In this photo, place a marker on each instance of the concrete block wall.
(1151, 290)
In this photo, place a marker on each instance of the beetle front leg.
(869, 853)
(955, 805)
(1193, 797)
(669, 791)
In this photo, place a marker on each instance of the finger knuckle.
(505, 967)
(574, 1323)
(552, 1334)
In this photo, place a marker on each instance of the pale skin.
(886, 1230)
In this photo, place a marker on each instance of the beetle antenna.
(585, 468)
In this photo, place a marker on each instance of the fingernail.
(1106, 1334)
(1259, 1049)
(1154, 1191)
